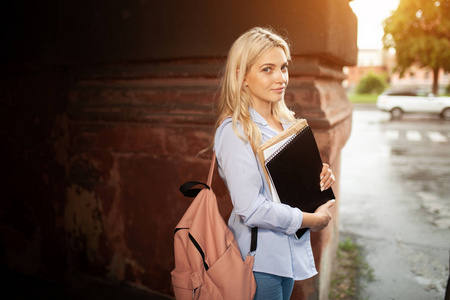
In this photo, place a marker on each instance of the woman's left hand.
(326, 178)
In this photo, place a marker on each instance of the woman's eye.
(266, 69)
(284, 68)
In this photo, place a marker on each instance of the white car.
(400, 102)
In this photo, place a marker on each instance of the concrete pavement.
(394, 200)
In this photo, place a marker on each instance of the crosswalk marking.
(416, 136)
(436, 136)
(413, 135)
(392, 134)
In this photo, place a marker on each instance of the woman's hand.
(326, 178)
(322, 216)
(319, 219)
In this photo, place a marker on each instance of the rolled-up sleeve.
(239, 168)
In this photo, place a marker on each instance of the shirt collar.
(256, 117)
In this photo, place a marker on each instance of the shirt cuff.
(296, 222)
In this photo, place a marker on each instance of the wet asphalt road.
(395, 201)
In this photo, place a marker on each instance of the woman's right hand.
(323, 216)
(319, 219)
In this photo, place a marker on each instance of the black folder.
(294, 167)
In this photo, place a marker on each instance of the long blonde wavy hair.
(234, 99)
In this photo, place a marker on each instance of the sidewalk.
(390, 189)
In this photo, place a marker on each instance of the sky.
(370, 14)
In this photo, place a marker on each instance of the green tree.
(419, 31)
(371, 84)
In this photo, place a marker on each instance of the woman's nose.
(282, 76)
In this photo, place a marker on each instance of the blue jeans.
(272, 287)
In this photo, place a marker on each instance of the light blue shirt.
(278, 251)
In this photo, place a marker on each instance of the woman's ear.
(244, 82)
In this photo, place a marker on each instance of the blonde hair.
(234, 100)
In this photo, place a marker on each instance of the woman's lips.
(280, 90)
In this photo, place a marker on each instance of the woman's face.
(268, 77)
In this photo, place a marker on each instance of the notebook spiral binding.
(286, 145)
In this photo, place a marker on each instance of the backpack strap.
(188, 191)
(254, 241)
(211, 169)
(187, 188)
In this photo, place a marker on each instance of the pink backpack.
(208, 263)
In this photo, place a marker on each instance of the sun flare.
(370, 16)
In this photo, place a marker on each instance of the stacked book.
(292, 166)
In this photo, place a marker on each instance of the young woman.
(251, 111)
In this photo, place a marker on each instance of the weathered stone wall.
(106, 105)
(135, 141)
(33, 183)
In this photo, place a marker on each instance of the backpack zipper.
(199, 250)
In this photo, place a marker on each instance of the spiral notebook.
(292, 166)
